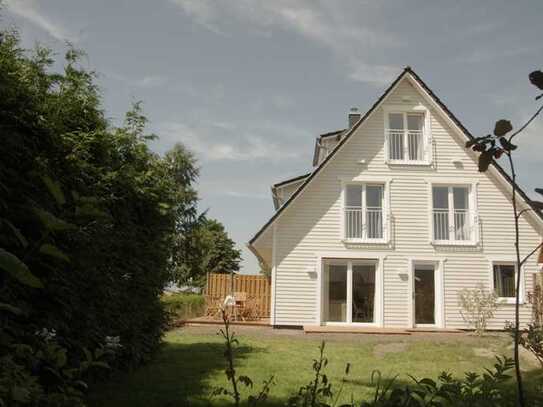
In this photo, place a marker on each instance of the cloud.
(248, 195)
(228, 142)
(328, 26)
(150, 81)
(29, 10)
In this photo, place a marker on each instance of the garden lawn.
(191, 363)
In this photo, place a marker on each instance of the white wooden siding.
(311, 224)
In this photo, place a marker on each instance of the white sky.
(247, 85)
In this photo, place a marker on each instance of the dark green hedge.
(88, 216)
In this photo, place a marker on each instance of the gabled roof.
(350, 132)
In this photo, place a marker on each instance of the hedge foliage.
(88, 224)
(183, 306)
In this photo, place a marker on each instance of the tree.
(89, 219)
(205, 248)
(492, 147)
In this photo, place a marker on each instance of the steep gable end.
(407, 80)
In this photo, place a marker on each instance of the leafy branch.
(489, 150)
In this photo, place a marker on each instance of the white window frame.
(426, 134)
(349, 257)
(385, 208)
(509, 262)
(473, 213)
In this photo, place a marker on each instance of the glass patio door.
(337, 293)
(349, 291)
(424, 295)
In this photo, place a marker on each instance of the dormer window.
(407, 137)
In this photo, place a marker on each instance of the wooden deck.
(312, 329)
(212, 321)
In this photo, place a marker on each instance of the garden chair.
(241, 301)
(251, 310)
(213, 306)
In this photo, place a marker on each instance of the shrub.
(536, 299)
(182, 306)
(88, 216)
(478, 307)
(530, 338)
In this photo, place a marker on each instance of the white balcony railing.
(364, 226)
(353, 223)
(460, 230)
(374, 224)
(405, 145)
(395, 145)
(441, 224)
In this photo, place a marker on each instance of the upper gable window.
(406, 138)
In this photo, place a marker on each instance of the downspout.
(274, 274)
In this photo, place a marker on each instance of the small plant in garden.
(530, 338)
(535, 298)
(318, 389)
(478, 306)
(235, 381)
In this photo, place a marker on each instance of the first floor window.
(364, 211)
(504, 280)
(451, 213)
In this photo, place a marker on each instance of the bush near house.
(182, 306)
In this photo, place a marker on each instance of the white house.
(393, 221)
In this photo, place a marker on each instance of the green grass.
(191, 363)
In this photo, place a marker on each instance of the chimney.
(354, 116)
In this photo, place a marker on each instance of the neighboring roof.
(291, 180)
(350, 132)
(319, 138)
(332, 133)
(286, 182)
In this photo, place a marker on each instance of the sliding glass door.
(349, 291)
(337, 293)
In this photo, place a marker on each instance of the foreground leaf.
(22, 240)
(502, 127)
(53, 251)
(18, 270)
(54, 189)
(11, 309)
(485, 159)
(536, 78)
(51, 222)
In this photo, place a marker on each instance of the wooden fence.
(218, 285)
